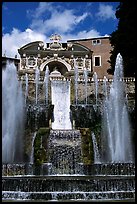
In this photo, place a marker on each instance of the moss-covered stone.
(72, 91)
(86, 145)
(27, 144)
(41, 146)
(43, 131)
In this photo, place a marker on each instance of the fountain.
(46, 80)
(26, 91)
(96, 150)
(32, 149)
(64, 146)
(86, 80)
(66, 162)
(76, 75)
(95, 88)
(116, 136)
(12, 116)
(37, 83)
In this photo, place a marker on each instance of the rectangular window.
(97, 61)
(96, 42)
(93, 42)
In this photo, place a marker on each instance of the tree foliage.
(123, 39)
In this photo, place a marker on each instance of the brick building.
(100, 48)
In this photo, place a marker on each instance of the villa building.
(90, 54)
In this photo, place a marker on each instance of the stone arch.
(61, 65)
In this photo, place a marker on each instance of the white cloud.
(106, 12)
(81, 35)
(59, 20)
(78, 19)
(63, 22)
(43, 7)
(11, 42)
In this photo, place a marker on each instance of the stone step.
(94, 169)
(68, 196)
(68, 183)
(65, 134)
(110, 169)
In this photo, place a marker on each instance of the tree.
(123, 39)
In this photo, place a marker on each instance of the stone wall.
(91, 93)
(91, 98)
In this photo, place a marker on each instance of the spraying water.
(37, 83)
(46, 81)
(12, 116)
(32, 148)
(116, 126)
(26, 91)
(96, 150)
(86, 80)
(95, 88)
(65, 152)
(105, 86)
(76, 83)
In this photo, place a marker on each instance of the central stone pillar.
(61, 100)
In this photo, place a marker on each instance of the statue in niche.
(23, 62)
(31, 61)
(55, 68)
(72, 63)
(87, 63)
(39, 62)
(79, 62)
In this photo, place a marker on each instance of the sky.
(25, 22)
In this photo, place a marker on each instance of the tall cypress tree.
(123, 39)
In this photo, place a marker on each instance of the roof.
(86, 39)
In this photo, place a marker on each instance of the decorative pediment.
(37, 45)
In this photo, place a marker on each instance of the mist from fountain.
(12, 116)
(116, 138)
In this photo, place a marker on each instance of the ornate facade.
(63, 57)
